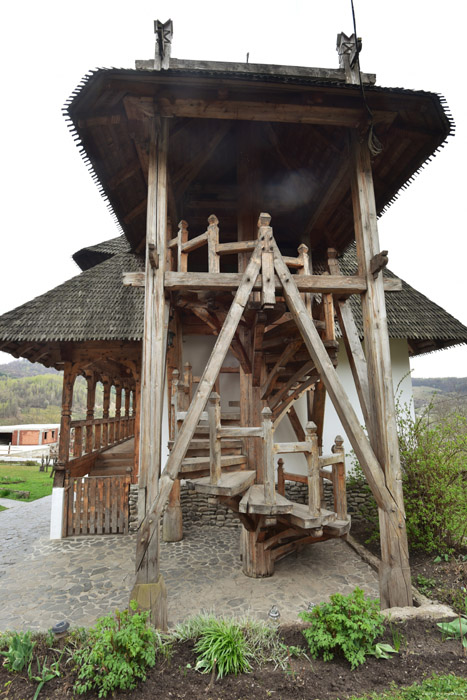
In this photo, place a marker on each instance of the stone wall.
(200, 509)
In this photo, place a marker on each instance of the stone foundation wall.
(200, 509)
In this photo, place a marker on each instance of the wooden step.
(301, 517)
(253, 502)
(230, 483)
(99, 470)
(338, 528)
(192, 463)
(203, 443)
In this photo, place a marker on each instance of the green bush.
(434, 470)
(222, 646)
(348, 624)
(115, 653)
(434, 478)
(20, 649)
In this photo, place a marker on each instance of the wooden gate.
(96, 505)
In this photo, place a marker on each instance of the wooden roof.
(290, 125)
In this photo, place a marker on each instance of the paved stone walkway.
(80, 578)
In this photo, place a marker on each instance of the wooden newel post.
(312, 460)
(172, 521)
(213, 242)
(214, 418)
(268, 457)
(338, 480)
(280, 477)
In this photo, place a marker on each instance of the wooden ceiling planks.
(303, 177)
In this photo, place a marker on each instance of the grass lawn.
(38, 483)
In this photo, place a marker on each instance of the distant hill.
(447, 393)
(24, 368)
(31, 393)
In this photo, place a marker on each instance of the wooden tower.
(323, 152)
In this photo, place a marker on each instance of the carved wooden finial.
(332, 253)
(338, 444)
(311, 427)
(164, 34)
(182, 225)
(302, 249)
(266, 412)
(264, 219)
(348, 48)
(213, 220)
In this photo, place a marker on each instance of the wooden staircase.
(116, 461)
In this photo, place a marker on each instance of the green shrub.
(434, 470)
(222, 646)
(434, 479)
(20, 648)
(348, 624)
(115, 653)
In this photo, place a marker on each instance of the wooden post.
(268, 457)
(90, 402)
(280, 477)
(213, 242)
(312, 460)
(118, 410)
(338, 480)
(214, 417)
(105, 411)
(149, 590)
(395, 580)
(69, 376)
(182, 262)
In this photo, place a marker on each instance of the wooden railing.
(88, 438)
(336, 476)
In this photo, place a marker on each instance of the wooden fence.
(96, 505)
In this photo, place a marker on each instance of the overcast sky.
(51, 207)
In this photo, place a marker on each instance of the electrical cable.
(374, 144)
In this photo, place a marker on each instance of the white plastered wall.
(197, 349)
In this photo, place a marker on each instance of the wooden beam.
(205, 386)
(296, 424)
(252, 111)
(229, 281)
(352, 343)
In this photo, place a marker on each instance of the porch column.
(90, 403)
(58, 490)
(118, 411)
(105, 411)
(149, 589)
(394, 575)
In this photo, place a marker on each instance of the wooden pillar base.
(256, 560)
(172, 524)
(152, 597)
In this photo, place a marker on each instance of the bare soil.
(443, 582)
(422, 653)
